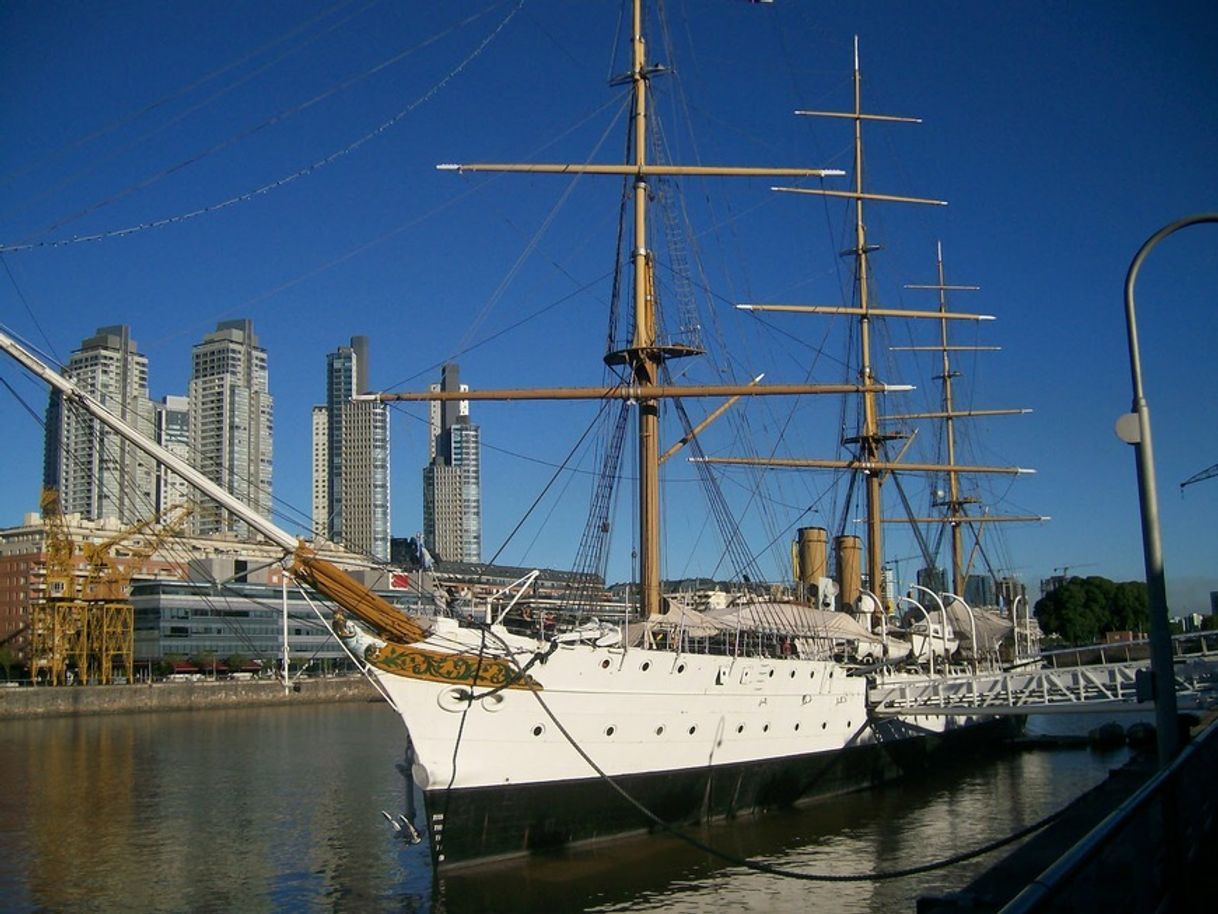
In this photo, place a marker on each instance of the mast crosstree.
(645, 355)
(870, 440)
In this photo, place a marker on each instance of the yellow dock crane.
(107, 588)
(89, 618)
(59, 627)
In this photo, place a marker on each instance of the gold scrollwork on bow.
(464, 669)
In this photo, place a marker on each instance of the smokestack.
(849, 568)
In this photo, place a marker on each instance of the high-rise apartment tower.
(97, 473)
(452, 481)
(351, 457)
(231, 422)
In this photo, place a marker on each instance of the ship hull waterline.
(691, 738)
(475, 827)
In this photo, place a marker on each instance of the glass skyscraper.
(452, 481)
(351, 457)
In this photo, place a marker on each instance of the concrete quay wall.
(1143, 840)
(67, 701)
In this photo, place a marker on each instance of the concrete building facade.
(452, 481)
(97, 473)
(351, 457)
(231, 422)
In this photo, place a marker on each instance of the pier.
(1116, 683)
(1133, 843)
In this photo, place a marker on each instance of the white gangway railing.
(1023, 691)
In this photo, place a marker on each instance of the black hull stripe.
(481, 823)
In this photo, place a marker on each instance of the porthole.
(812, 675)
(847, 725)
(792, 674)
(493, 702)
(680, 667)
(455, 699)
(660, 731)
(797, 728)
(831, 674)
(646, 666)
(610, 730)
(693, 730)
(765, 728)
(605, 664)
(771, 674)
(824, 724)
(538, 730)
(740, 728)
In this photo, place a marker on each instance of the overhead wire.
(265, 188)
(173, 96)
(95, 161)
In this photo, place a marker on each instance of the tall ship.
(667, 709)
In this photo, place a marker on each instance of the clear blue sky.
(1063, 136)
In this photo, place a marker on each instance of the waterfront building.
(435, 416)
(932, 578)
(203, 560)
(97, 473)
(979, 590)
(365, 482)
(351, 457)
(172, 421)
(321, 462)
(243, 615)
(452, 480)
(231, 422)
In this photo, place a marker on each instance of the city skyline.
(1062, 139)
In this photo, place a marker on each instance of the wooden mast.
(955, 505)
(645, 353)
(955, 508)
(869, 442)
(643, 357)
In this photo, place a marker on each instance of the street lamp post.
(1134, 428)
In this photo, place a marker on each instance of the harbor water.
(279, 809)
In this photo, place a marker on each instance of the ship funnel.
(811, 558)
(849, 551)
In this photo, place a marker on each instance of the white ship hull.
(690, 736)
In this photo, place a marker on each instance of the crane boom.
(1204, 474)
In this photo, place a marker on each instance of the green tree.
(1130, 609)
(8, 660)
(235, 662)
(1082, 610)
(204, 660)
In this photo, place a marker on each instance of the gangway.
(1013, 692)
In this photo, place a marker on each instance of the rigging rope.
(266, 188)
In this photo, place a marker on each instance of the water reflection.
(279, 809)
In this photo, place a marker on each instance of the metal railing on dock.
(1145, 855)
